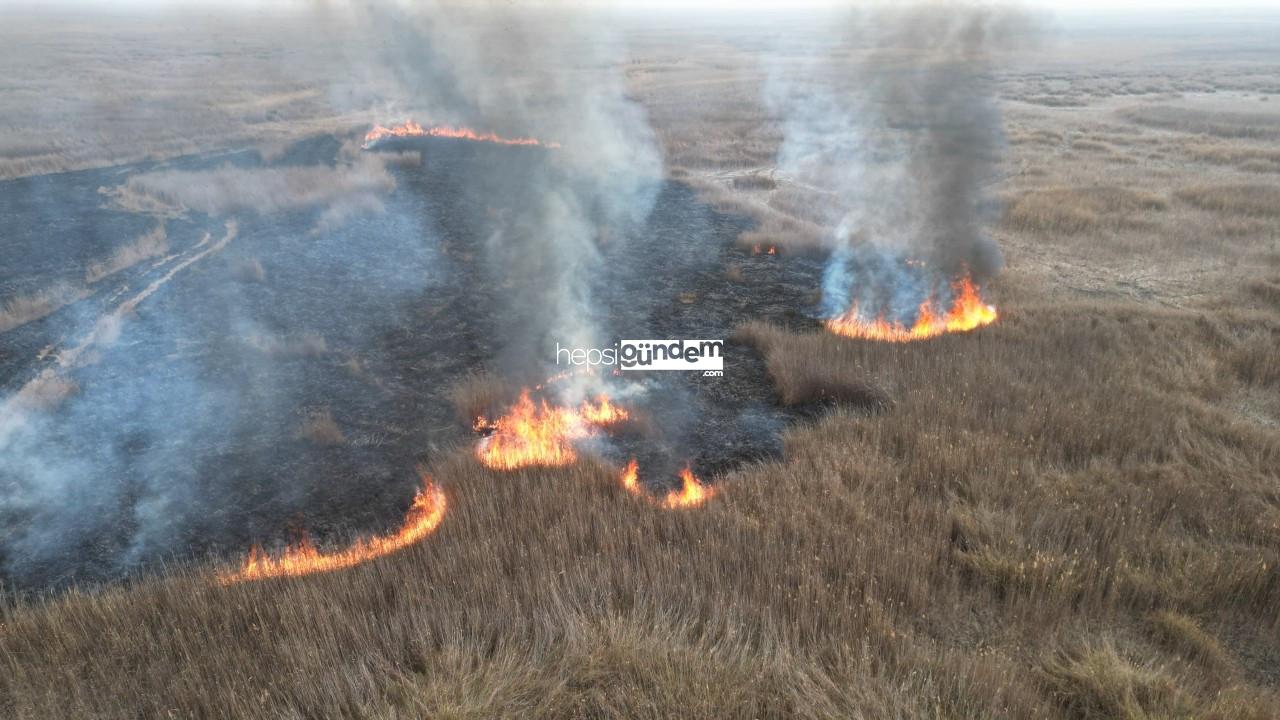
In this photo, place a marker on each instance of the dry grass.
(152, 244)
(319, 427)
(1253, 158)
(1063, 515)
(43, 392)
(1079, 210)
(1253, 125)
(1257, 360)
(27, 308)
(249, 270)
(813, 368)
(1097, 682)
(480, 394)
(1036, 137)
(1248, 200)
(1184, 636)
(905, 563)
(301, 345)
(754, 182)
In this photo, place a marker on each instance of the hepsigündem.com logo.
(706, 355)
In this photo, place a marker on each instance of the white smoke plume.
(551, 73)
(897, 114)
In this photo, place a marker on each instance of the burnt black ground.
(183, 439)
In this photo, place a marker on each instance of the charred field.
(343, 385)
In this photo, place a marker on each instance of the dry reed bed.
(1055, 519)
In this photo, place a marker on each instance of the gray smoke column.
(897, 116)
(553, 73)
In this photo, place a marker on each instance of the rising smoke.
(554, 74)
(896, 116)
(141, 427)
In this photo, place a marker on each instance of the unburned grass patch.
(1267, 290)
(1244, 199)
(1076, 210)
(152, 244)
(1096, 681)
(1259, 125)
(754, 181)
(319, 427)
(811, 370)
(1183, 635)
(1260, 158)
(1257, 359)
(480, 394)
(17, 311)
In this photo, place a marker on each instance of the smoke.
(553, 74)
(347, 189)
(155, 412)
(897, 115)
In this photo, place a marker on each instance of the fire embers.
(899, 300)
(542, 434)
(303, 558)
(691, 493)
(413, 129)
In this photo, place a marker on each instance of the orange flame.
(692, 492)
(966, 313)
(413, 129)
(758, 249)
(631, 477)
(542, 434)
(424, 516)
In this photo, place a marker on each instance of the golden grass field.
(1073, 513)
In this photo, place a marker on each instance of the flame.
(603, 412)
(413, 129)
(542, 434)
(631, 477)
(967, 312)
(692, 492)
(758, 249)
(304, 558)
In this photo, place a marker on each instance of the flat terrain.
(1072, 513)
